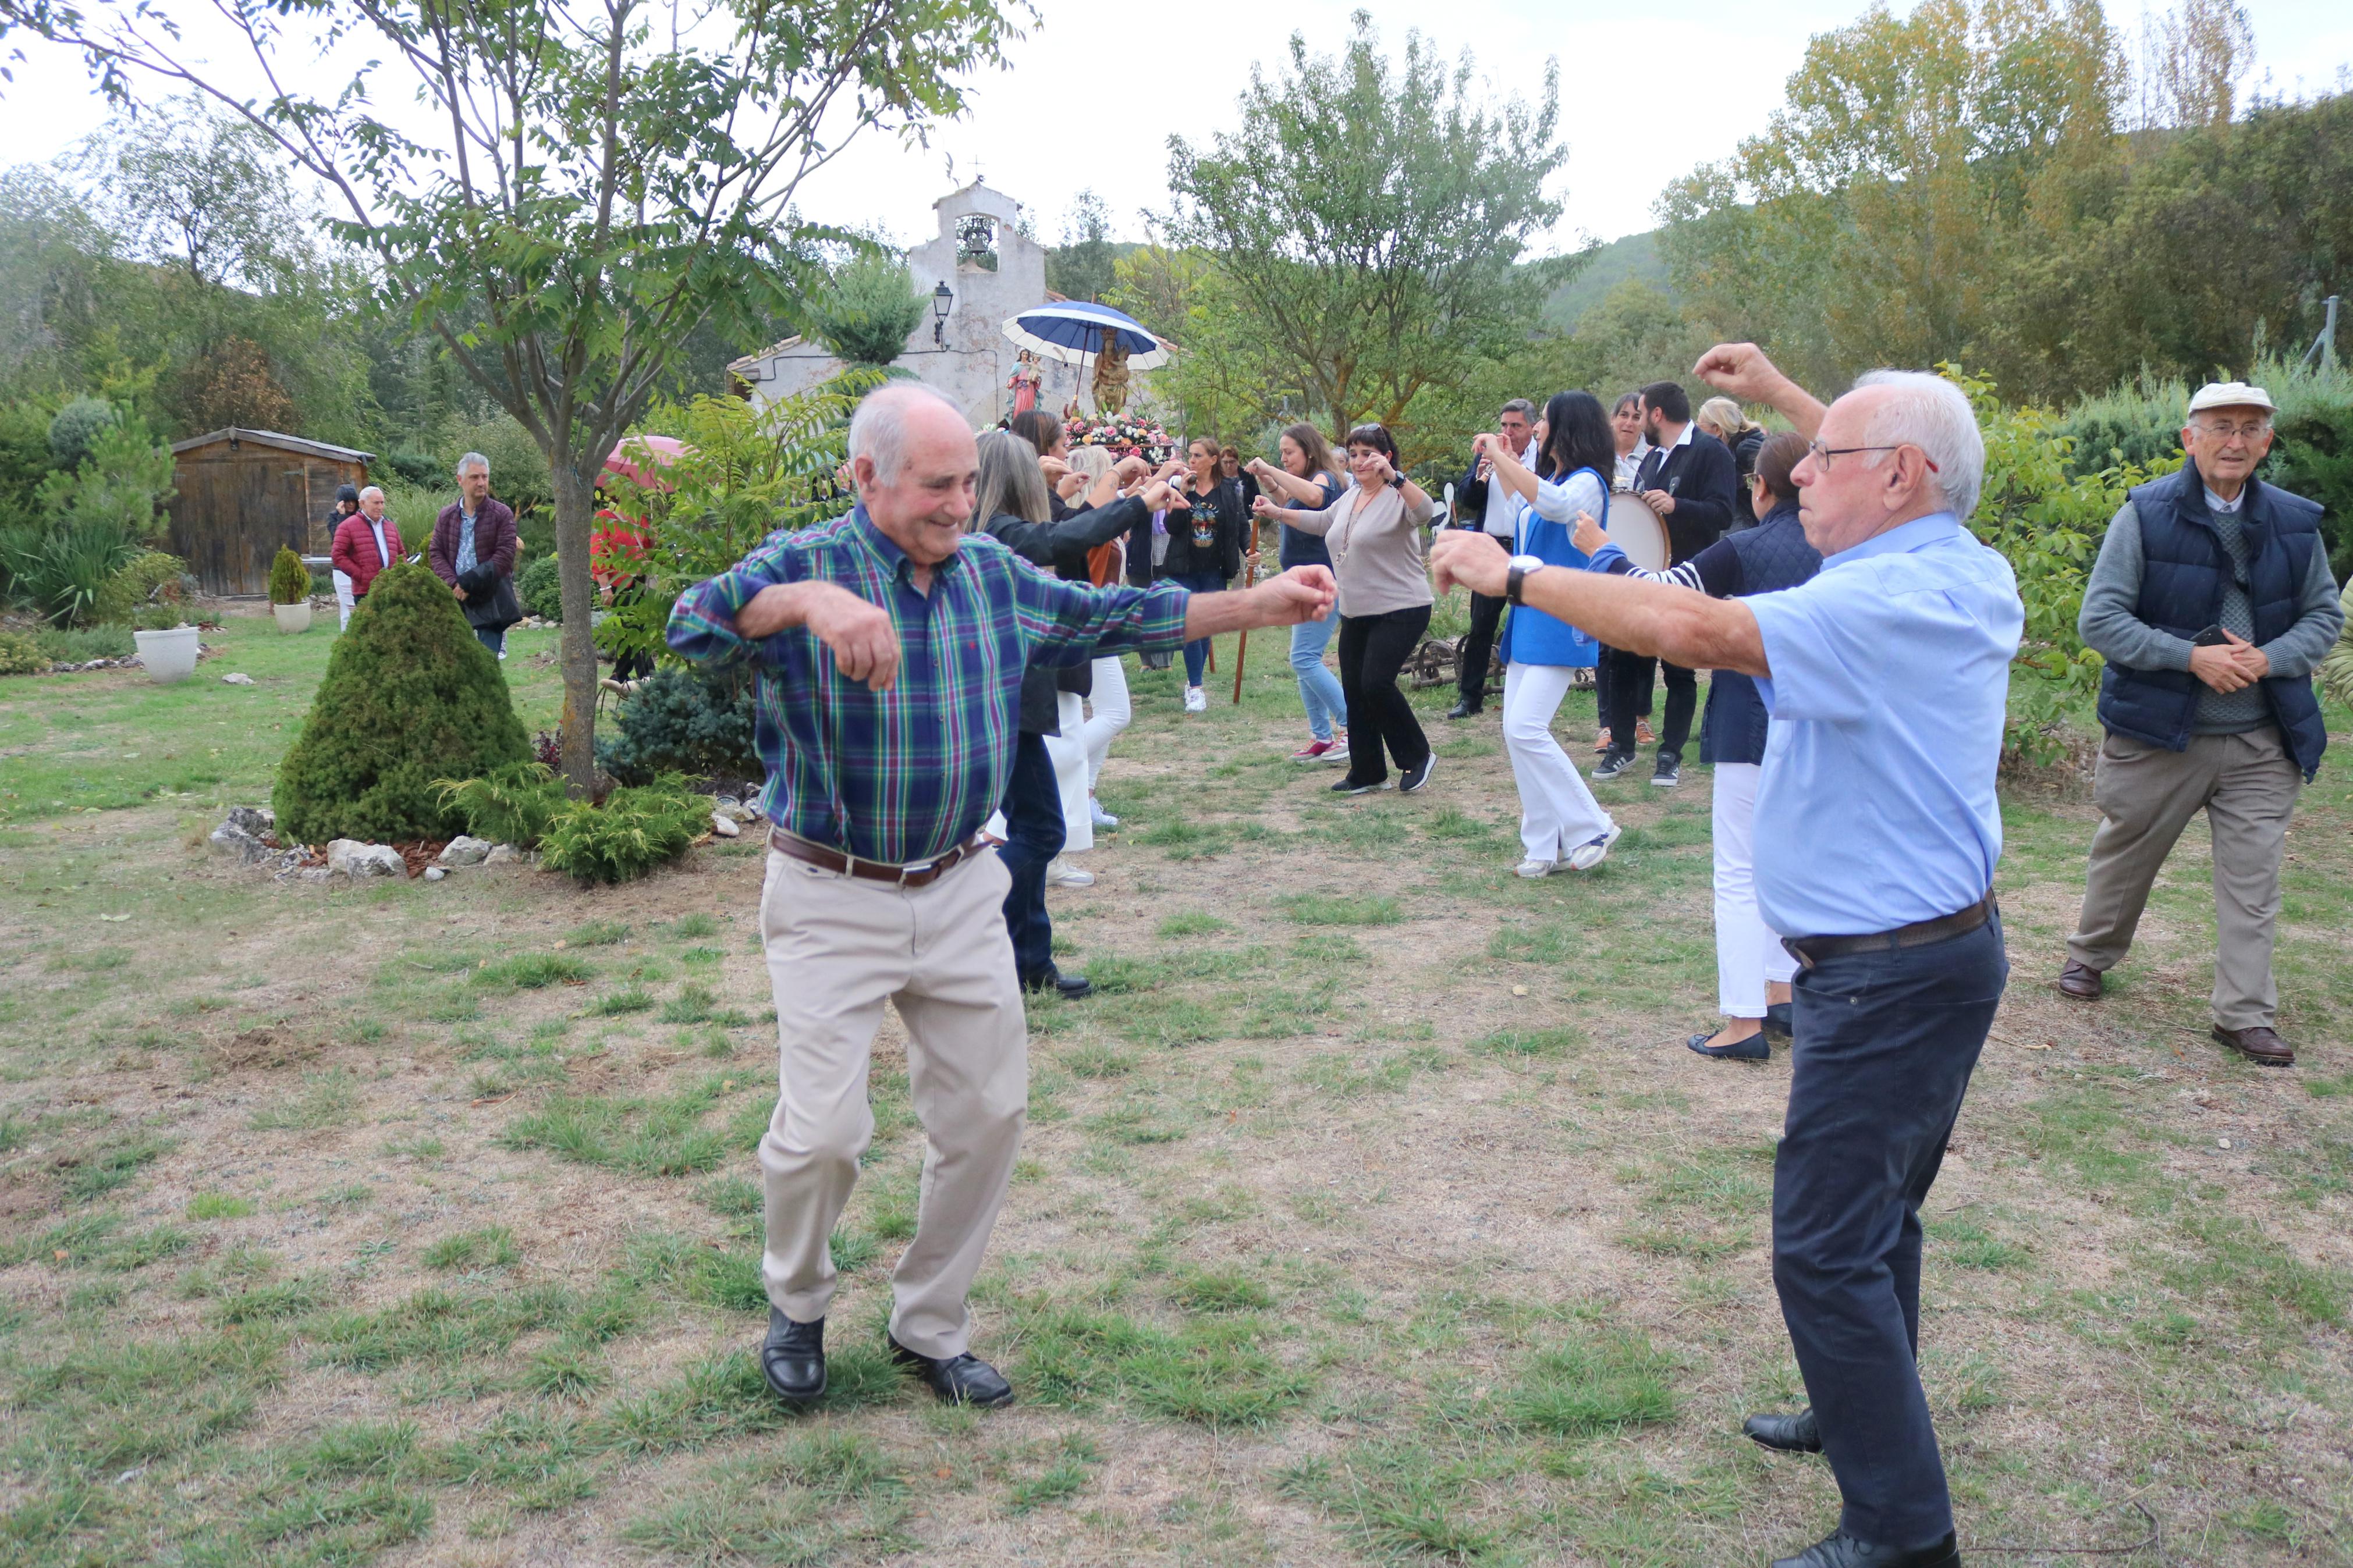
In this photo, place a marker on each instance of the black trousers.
(1479, 649)
(1885, 1044)
(1033, 836)
(1605, 666)
(1631, 676)
(1373, 649)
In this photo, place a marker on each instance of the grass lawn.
(1372, 1212)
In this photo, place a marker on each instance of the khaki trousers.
(2247, 786)
(837, 947)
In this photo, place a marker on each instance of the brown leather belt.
(1811, 950)
(917, 874)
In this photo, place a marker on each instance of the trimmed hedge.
(411, 696)
(540, 586)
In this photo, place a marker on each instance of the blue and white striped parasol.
(1072, 333)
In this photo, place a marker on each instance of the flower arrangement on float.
(1120, 437)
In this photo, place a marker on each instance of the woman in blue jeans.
(1305, 481)
(1204, 547)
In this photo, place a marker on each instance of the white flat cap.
(2230, 395)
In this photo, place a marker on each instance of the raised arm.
(1742, 371)
(1682, 626)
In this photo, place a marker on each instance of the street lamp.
(942, 297)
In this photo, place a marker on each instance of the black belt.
(1813, 950)
(919, 874)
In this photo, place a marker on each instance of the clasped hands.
(2229, 666)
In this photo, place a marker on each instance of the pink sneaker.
(1313, 752)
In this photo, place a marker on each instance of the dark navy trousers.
(1885, 1044)
(1033, 836)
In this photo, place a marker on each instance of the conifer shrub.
(540, 586)
(290, 580)
(697, 721)
(636, 828)
(410, 698)
(510, 805)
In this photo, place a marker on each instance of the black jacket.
(1223, 556)
(1063, 548)
(1745, 447)
(1704, 481)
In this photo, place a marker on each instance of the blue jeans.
(1319, 689)
(495, 640)
(1033, 836)
(1197, 652)
(1885, 1044)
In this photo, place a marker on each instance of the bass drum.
(1638, 531)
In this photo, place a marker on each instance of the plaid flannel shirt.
(906, 775)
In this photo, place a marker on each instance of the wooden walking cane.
(1250, 578)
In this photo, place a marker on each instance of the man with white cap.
(2211, 601)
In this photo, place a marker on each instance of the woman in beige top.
(1374, 532)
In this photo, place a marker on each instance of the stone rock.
(465, 851)
(245, 834)
(352, 859)
(314, 874)
(724, 825)
(236, 679)
(434, 873)
(502, 854)
(733, 810)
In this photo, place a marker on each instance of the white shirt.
(383, 552)
(2219, 504)
(1682, 441)
(1502, 517)
(1630, 463)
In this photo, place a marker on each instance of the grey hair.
(376, 491)
(471, 461)
(878, 430)
(1011, 481)
(1932, 413)
(1520, 405)
(1090, 460)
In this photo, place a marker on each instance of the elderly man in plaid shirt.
(890, 645)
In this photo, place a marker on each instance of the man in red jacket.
(366, 544)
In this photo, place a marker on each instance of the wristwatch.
(1521, 566)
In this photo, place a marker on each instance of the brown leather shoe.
(2080, 980)
(2260, 1045)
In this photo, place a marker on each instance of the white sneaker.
(1061, 873)
(1196, 700)
(1588, 855)
(1535, 870)
(1101, 818)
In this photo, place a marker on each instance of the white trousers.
(1111, 715)
(1748, 952)
(1069, 751)
(1557, 811)
(343, 600)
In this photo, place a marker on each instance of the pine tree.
(410, 696)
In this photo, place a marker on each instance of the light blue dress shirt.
(1891, 677)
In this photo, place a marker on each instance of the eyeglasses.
(2253, 430)
(1823, 454)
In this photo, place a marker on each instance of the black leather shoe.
(1463, 710)
(1751, 1049)
(1069, 987)
(1781, 1018)
(793, 1359)
(1795, 1434)
(959, 1380)
(1843, 1551)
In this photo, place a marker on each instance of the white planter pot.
(292, 618)
(167, 656)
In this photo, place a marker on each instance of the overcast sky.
(1096, 90)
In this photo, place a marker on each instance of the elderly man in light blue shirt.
(1877, 835)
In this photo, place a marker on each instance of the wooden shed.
(243, 493)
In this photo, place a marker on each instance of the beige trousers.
(2247, 786)
(837, 947)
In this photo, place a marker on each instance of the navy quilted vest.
(2185, 570)
(1773, 555)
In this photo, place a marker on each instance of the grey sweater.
(1375, 552)
(2111, 626)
